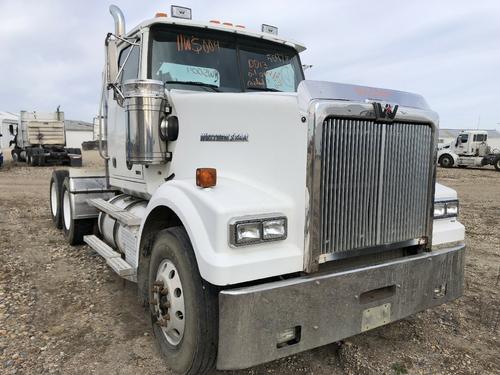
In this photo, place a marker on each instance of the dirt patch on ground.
(62, 311)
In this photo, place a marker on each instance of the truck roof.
(299, 47)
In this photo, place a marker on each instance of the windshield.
(218, 61)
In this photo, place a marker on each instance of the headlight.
(445, 209)
(439, 209)
(249, 231)
(452, 208)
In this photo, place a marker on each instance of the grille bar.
(374, 183)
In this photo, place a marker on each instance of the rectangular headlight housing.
(248, 232)
(258, 229)
(444, 209)
(274, 229)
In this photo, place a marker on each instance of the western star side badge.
(234, 137)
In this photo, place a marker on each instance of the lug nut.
(164, 291)
(161, 322)
(166, 305)
(158, 283)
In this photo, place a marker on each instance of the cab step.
(122, 216)
(113, 258)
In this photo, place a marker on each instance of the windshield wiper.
(196, 83)
(263, 89)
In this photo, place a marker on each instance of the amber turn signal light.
(160, 14)
(206, 177)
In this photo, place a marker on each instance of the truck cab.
(472, 143)
(190, 60)
(260, 214)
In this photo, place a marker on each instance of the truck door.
(462, 144)
(129, 63)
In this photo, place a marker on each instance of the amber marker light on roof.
(215, 21)
(206, 177)
(161, 14)
(227, 24)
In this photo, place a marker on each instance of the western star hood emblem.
(385, 113)
(233, 137)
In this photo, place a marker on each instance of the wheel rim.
(446, 162)
(66, 210)
(53, 199)
(168, 301)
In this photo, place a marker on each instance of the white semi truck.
(40, 139)
(471, 149)
(260, 214)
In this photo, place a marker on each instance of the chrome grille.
(374, 183)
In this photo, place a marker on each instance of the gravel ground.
(62, 311)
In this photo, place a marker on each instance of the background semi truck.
(259, 213)
(40, 139)
(470, 149)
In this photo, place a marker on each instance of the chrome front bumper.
(324, 308)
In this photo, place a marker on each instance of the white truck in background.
(470, 149)
(259, 213)
(40, 139)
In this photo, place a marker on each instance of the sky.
(52, 51)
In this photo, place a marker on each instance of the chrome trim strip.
(381, 182)
(368, 250)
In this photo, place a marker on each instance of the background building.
(78, 132)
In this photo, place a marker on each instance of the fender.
(447, 152)
(206, 213)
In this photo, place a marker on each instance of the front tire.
(55, 196)
(446, 161)
(184, 308)
(73, 229)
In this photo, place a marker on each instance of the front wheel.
(184, 309)
(446, 161)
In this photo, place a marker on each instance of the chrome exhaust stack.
(119, 20)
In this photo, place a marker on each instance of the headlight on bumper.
(250, 231)
(444, 209)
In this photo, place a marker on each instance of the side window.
(464, 138)
(131, 68)
(480, 137)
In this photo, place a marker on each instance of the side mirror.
(111, 60)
